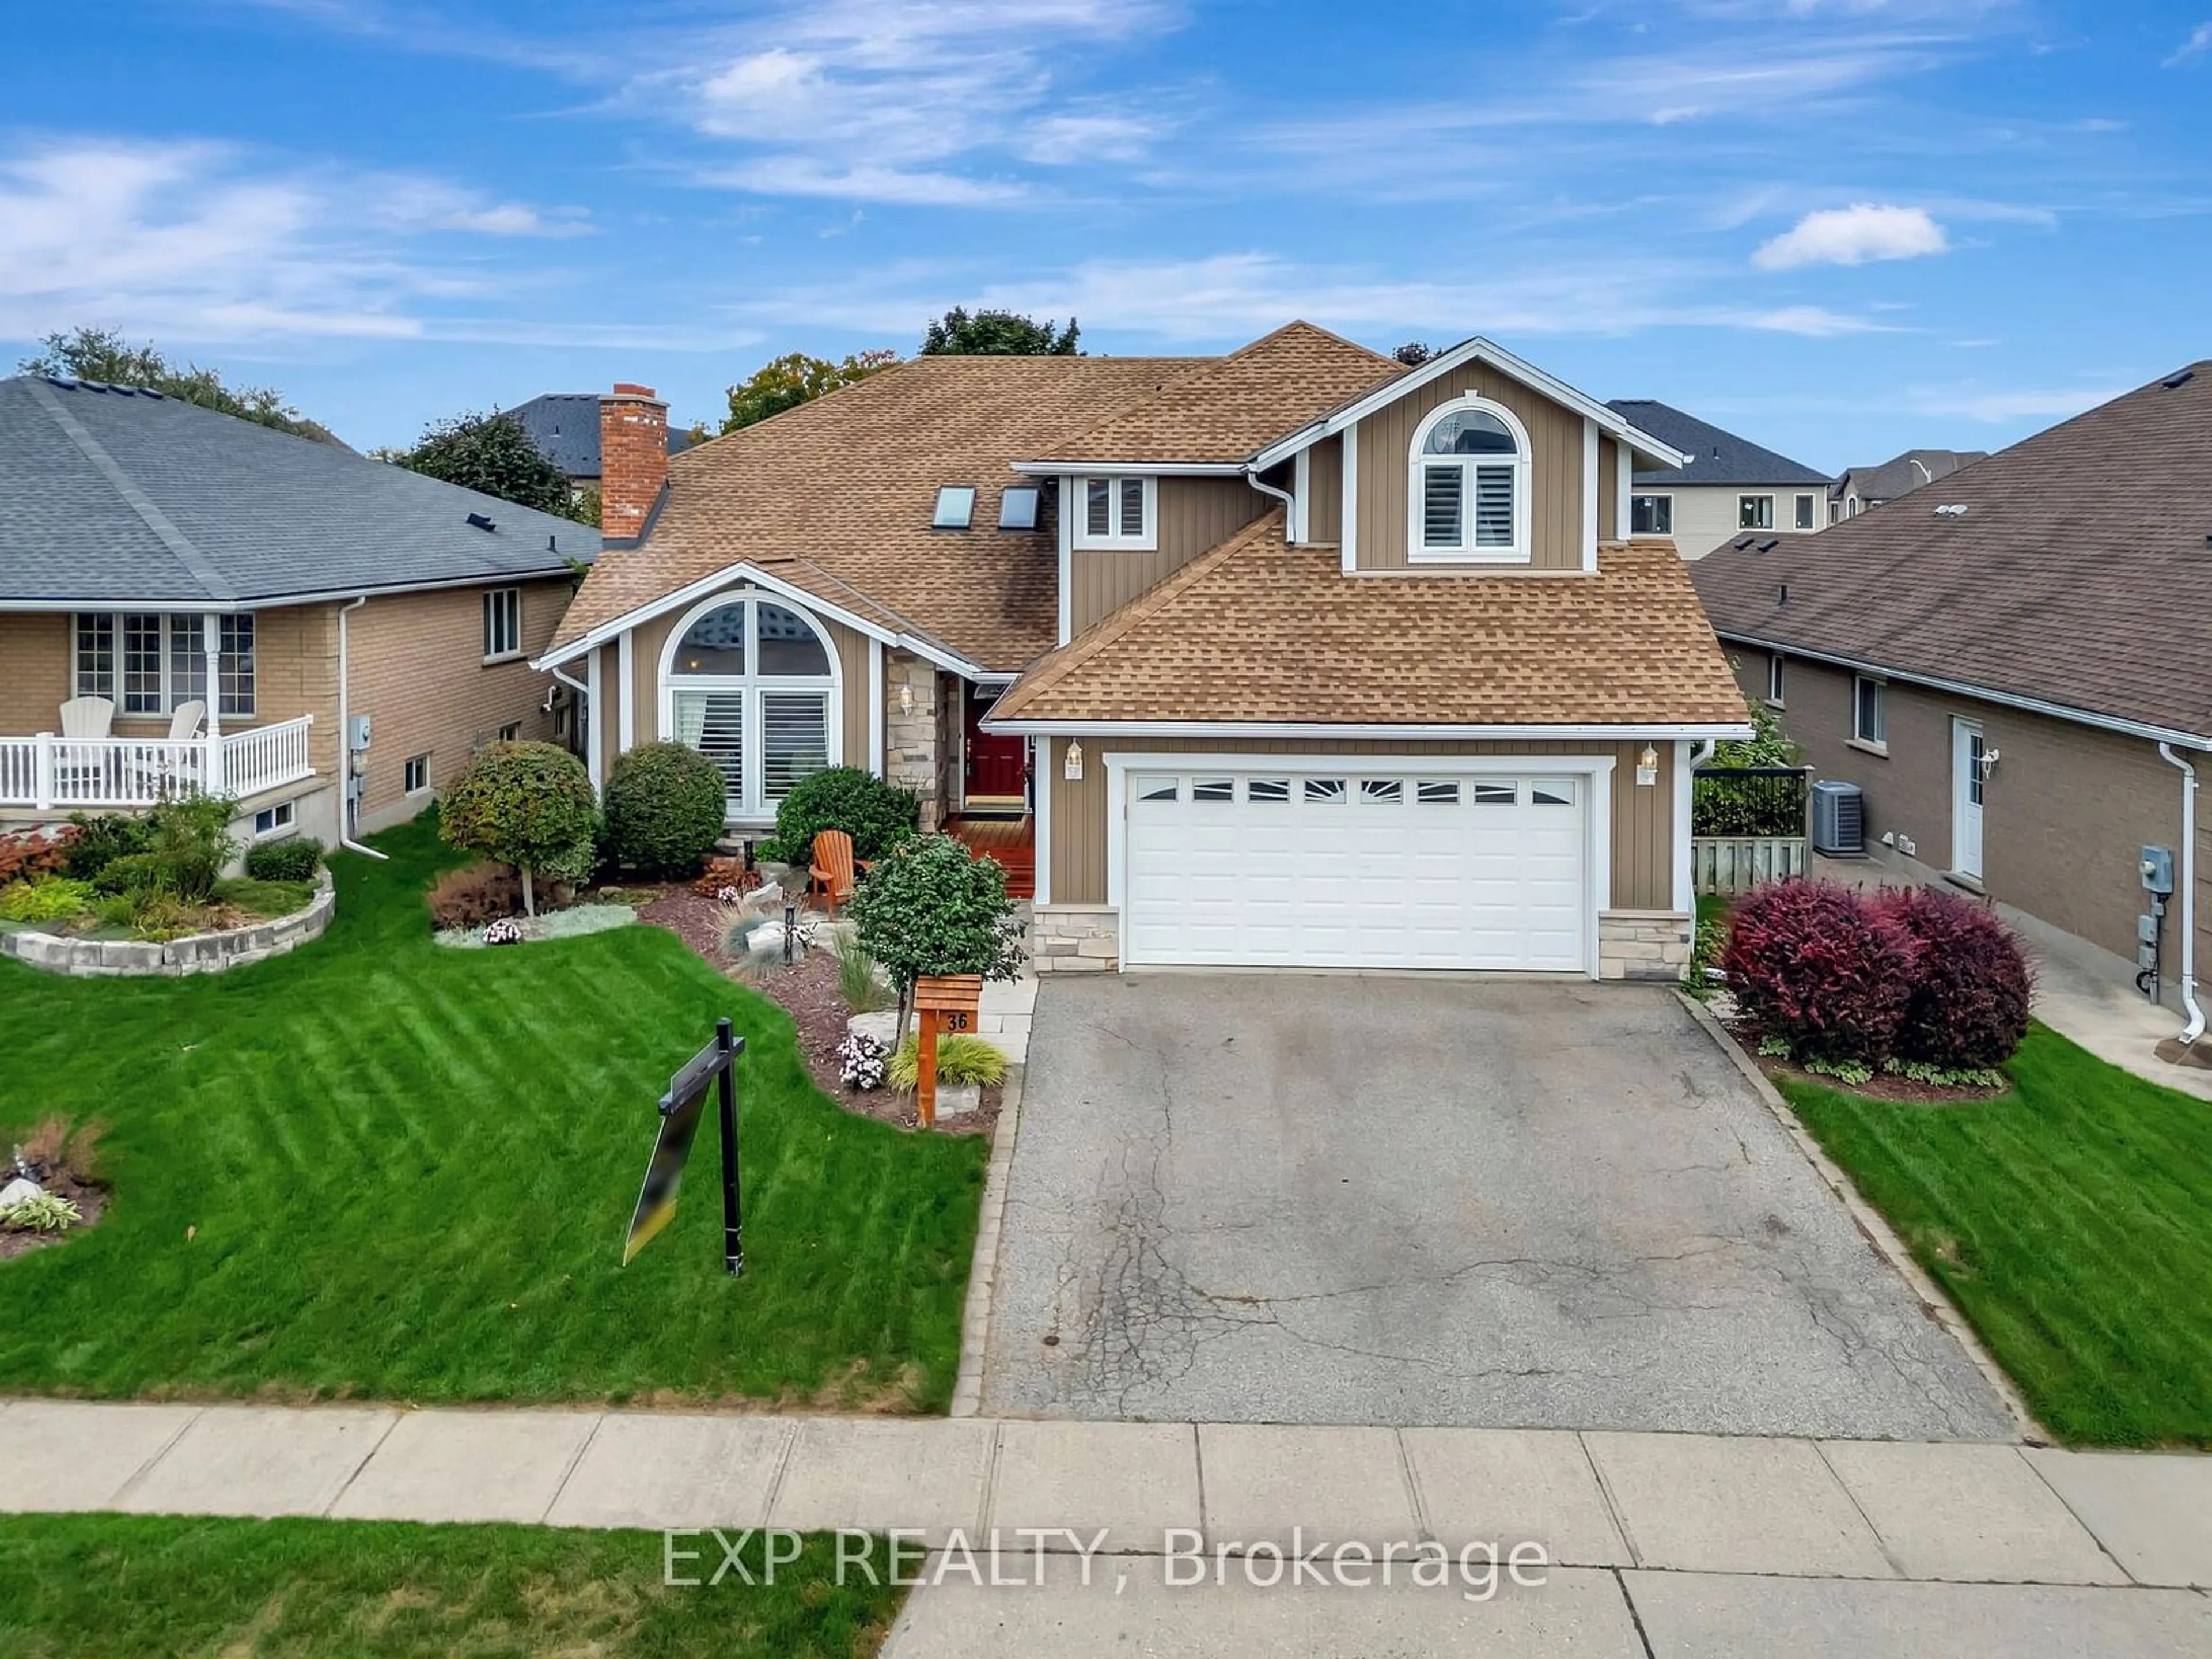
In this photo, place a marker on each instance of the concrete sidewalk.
(1708, 1545)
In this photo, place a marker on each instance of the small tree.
(491, 453)
(524, 804)
(996, 334)
(931, 908)
(794, 378)
(1414, 353)
(665, 807)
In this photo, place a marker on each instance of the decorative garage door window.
(1348, 868)
(753, 684)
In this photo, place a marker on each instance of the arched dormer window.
(1470, 484)
(753, 684)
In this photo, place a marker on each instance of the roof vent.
(1741, 542)
(481, 522)
(956, 505)
(2175, 382)
(1768, 544)
(1951, 510)
(1017, 507)
(62, 381)
(148, 392)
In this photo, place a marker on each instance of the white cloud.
(2199, 44)
(1814, 322)
(800, 175)
(195, 241)
(1852, 236)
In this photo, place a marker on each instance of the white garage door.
(1305, 867)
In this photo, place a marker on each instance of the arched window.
(754, 683)
(1470, 483)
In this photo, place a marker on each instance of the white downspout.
(591, 713)
(345, 745)
(2186, 878)
(1290, 502)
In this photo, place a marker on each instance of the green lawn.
(379, 1167)
(2070, 1221)
(93, 1585)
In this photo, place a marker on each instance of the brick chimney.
(633, 458)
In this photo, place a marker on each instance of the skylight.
(1017, 507)
(956, 505)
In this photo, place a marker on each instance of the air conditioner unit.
(1838, 819)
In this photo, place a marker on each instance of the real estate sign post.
(681, 1108)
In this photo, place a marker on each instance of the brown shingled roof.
(1232, 408)
(1261, 632)
(835, 497)
(2072, 577)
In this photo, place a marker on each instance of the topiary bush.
(664, 806)
(1817, 968)
(295, 858)
(1970, 986)
(876, 815)
(931, 908)
(528, 805)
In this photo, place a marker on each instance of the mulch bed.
(1882, 1085)
(808, 992)
(88, 1198)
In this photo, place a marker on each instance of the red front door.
(997, 765)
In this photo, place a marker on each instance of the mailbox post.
(946, 1002)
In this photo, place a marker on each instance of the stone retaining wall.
(1643, 944)
(1075, 939)
(196, 953)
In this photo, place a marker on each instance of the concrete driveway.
(1400, 1201)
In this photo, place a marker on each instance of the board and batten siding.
(650, 638)
(1555, 470)
(1608, 489)
(1643, 814)
(1325, 490)
(1196, 514)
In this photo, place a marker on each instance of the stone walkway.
(1658, 1544)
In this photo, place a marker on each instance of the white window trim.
(1812, 506)
(1666, 495)
(752, 804)
(212, 696)
(1878, 745)
(1077, 511)
(422, 788)
(282, 818)
(495, 595)
(1778, 680)
(1754, 495)
(1417, 464)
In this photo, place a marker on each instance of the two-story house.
(1293, 657)
(564, 428)
(1729, 488)
(1863, 487)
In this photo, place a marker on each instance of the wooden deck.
(1011, 842)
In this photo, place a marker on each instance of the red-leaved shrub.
(1970, 984)
(33, 854)
(1816, 966)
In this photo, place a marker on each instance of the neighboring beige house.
(2013, 670)
(325, 637)
(1293, 657)
(1729, 489)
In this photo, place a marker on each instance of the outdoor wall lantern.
(1647, 765)
(1071, 764)
(906, 700)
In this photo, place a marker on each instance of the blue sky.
(1839, 226)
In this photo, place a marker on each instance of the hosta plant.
(47, 1212)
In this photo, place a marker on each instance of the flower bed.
(212, 951)
(571, 923)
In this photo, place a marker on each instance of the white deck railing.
(51, 774)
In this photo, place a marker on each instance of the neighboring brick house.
(2014, 668)
(223, 602)
(1293, 657)
(1730, 488)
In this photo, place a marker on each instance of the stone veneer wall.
(911, 734)
(1075, 939)
(196, 953)
(1643, 944)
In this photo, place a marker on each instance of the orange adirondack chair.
(832, 872)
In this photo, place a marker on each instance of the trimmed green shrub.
(528, 805)
(931, 908)
(665, 807)
(99, 841)
(46, 898)
(295, 858)
(876, 815)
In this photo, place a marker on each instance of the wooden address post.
(946, 1002)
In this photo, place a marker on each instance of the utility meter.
(2156, 867)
